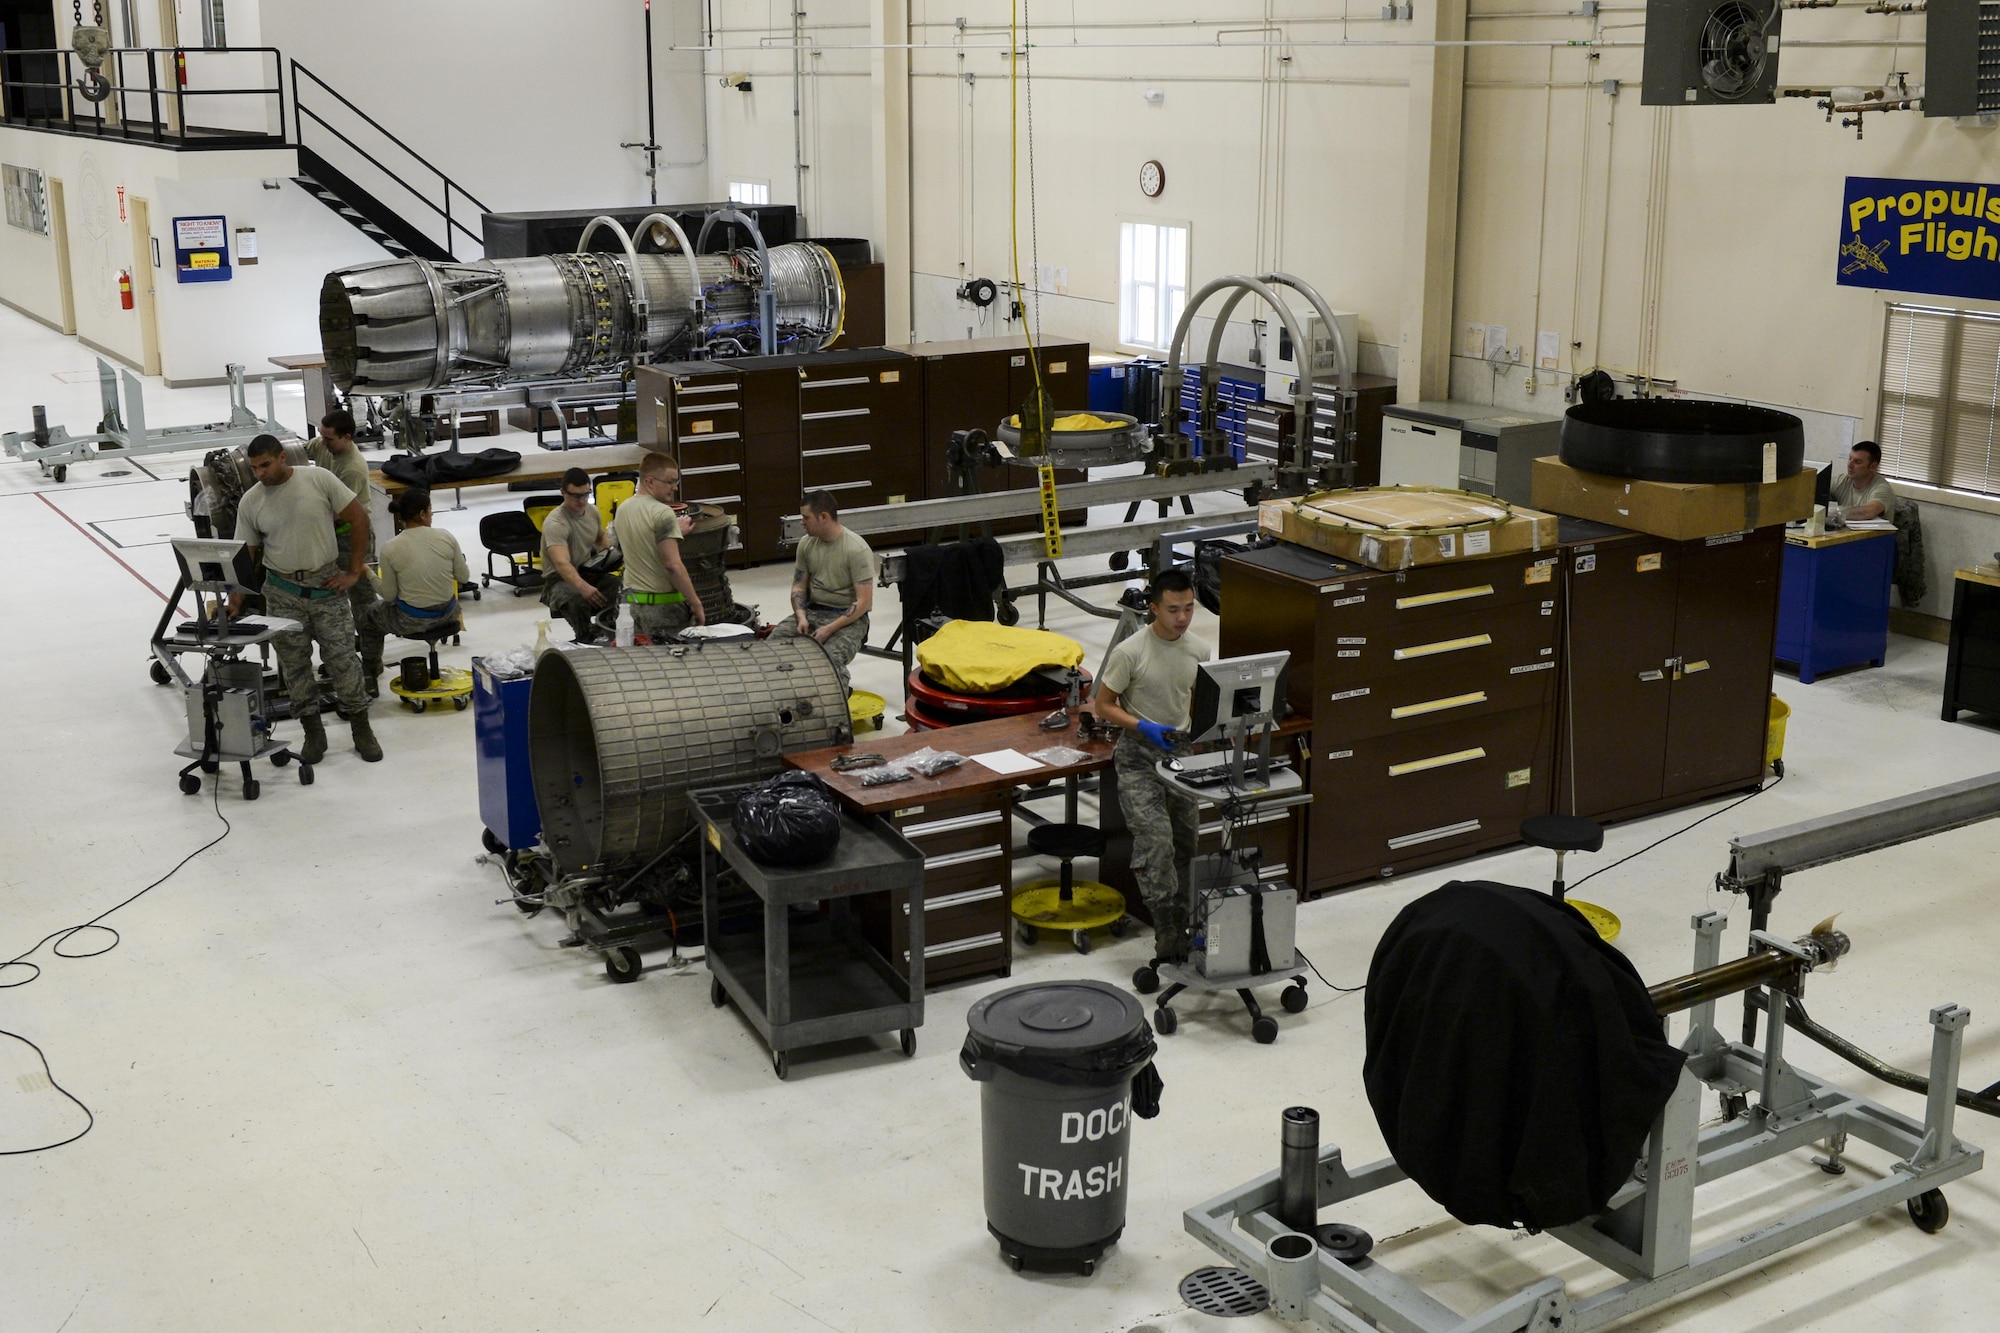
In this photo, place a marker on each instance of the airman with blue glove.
(1147, 687)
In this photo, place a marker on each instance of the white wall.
(524, 104)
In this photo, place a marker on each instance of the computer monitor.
(1235, 688)
(210, 564)
(1823, 485)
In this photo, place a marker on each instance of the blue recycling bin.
(500, 733)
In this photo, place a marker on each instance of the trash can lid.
(1070, 1032)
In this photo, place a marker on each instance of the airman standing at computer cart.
(1147, 687)
(287, 520)
(334, 449)
(649, 532)
(572, 533)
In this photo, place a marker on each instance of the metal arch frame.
(697, 307)
(767, 291)
(635, 284)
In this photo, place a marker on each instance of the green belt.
(653, 598)
(342, 529)
(298, 589)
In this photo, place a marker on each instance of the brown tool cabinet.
(1670, 646)
(968, 890)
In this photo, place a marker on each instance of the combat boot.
(365, 743)
(370, 674)
(315, 746)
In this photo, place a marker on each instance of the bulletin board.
(201, 249)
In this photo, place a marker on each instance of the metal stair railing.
(37, 103)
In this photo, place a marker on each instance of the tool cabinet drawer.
(1483, 683)
(1474, 643)
(1368, 602)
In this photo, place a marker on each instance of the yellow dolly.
(1077, 906)
(865, 709)
(451, 683)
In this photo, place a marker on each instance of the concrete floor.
(337, 1086)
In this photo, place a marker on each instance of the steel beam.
(1756, 857)
(1026, 548)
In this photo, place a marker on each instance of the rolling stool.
(1069, 904)
(1571, 833)
(440, 684)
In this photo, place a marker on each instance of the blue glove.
(1158, 733)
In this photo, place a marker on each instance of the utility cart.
(805, 981)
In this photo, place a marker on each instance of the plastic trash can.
(1062, 1067)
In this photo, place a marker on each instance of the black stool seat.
(1563, 833)
(1066, 841)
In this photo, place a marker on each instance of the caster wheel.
(281, 758)
(60, 472)
(491, 843)
(1026, 933)
(158, 672)
(1121, 927)
(190, 784)
(909, 1040)
(716, 995)
(1735, 1105)
(1008, 614)
(419, 705)
(1087, 1267)
(1264, 1030)
(622, 965)
(251, 791)
(780, 1065)
(527, 908)
(1930, 1212)
(458, 704)
(1166, 1020)
(1294, 999)
(1013, 1261)
(1145, 980)
(1121, 559)
(1080, 939)
(305, 775)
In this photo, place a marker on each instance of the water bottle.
(625, 626)
(541, 637)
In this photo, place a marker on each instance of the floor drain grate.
(1229, 1293)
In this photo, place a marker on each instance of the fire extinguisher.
(181, 68)
(125, 289)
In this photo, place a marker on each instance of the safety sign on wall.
(201, 249)
(1939, 237)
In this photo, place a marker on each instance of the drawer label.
(1540, 573)
(1478, 543)
(1017, 361)
(1647, 564)
(892, 377)
(1348, 652)
(1724, 540)
(1356, 639)
(1340, 754)
(1350, 601)
(700, 427)
(1519, 777)
(1586, 564)
(1351, 694)
(1058, 367)
(1532, 666)
(907, 811)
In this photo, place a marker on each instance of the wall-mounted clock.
(1152, 179)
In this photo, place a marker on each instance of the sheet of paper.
(1007, 761)
(1871, 525)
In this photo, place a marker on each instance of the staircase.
(368, 215)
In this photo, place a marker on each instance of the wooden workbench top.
(1839, 538)
(302, 361)
(1022, 733)
(1986, 574)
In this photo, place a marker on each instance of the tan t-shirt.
(1154, 678)
(641, 525)
(1849, 496)
(350, 467)
(293, 523)
(833, 568)
(422, 566)
(575, 533)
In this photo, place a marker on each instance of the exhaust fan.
(1711, 52)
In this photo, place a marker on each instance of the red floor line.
(100, 545)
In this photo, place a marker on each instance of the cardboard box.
(1396, 527)
(1680, 511)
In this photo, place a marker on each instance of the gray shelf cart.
(802, 983)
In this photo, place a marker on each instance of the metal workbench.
(801, 983)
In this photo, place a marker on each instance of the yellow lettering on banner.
(1968, 199)
(1884, 205)
(1958, 245)
(1935, 202)
(1986, 246)
(1993, 210)
(1051, 516)
(1911, 205)
(1860, 211)
(1913, 234)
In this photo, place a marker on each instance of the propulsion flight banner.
(1937, 237)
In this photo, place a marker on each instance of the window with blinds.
(1939, 419)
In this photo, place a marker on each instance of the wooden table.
(1833, 600)
(1972, 666)
(311, 370)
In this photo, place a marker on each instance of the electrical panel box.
(1467, 447)
(1281, 361)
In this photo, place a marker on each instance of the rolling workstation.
(967, 716)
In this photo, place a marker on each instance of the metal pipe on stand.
(1298, 1169)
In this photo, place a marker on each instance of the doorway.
(59, 232)
(29, 25)
(143, 274)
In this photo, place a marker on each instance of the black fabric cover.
(956, 578)
(1514, 1062)
(431, 471)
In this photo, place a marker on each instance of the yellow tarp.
(1075, 421)
(977, 657)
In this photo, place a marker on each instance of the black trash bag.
(792, 820)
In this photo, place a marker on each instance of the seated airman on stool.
(833, 587)
(421, 569)
(571, 534)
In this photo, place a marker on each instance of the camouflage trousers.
(1164, 826)
(661, 622)
(364, 593)
(844, 645)
(386, 618)
(328, 622)
(565, 601)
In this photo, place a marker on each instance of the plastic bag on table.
(1059, 756)
(931, 762)
(792, 820)
(886, 774)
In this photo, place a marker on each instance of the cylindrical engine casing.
(408, 325)
(618, 736)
